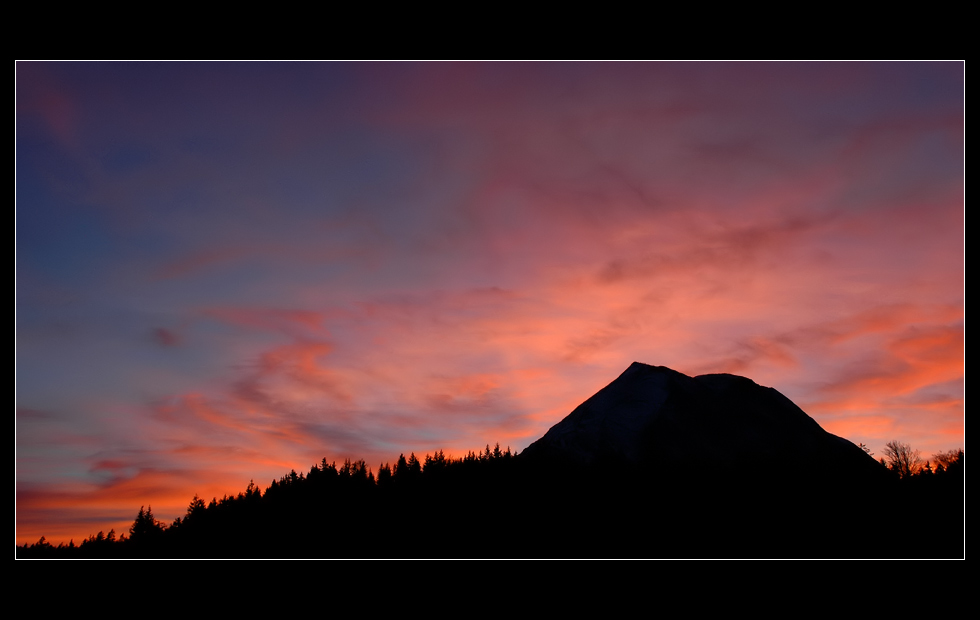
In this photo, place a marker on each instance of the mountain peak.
(657, 416)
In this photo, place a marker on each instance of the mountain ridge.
(654, 415)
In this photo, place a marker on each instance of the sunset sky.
(228, 270)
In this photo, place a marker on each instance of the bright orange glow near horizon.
(226, 271)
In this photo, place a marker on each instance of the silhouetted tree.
(145, 528)
(195, 511)
(902, 459)
(400, 471)
(414, 466)
(435, 462)
(947, 459)
(384, 475)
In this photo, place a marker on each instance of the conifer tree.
(145, 528)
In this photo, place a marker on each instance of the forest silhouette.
(496, 504)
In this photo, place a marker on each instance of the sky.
(225, 271)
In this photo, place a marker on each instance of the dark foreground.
(507, 507)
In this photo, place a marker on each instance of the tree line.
(905, 461)
(496, 504)
(222, 524)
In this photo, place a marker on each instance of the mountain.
(660, 464)
(657, 417)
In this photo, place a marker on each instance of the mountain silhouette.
(708, 466)
(655, 416)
